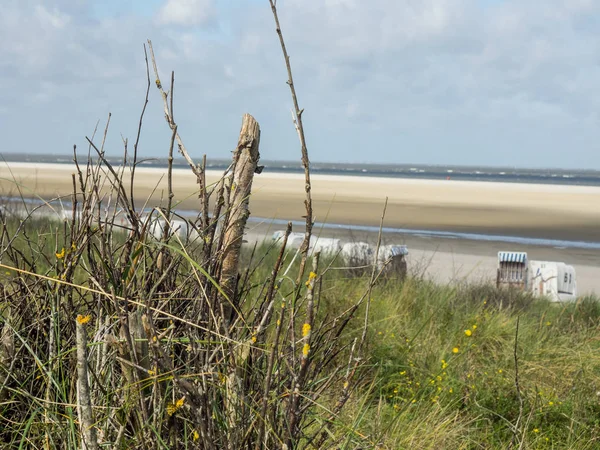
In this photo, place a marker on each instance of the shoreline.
(450, 226)
(552, 212)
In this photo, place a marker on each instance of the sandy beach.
(569, 213)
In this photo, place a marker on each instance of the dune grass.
(439, 370)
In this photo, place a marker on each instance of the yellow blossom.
(305, 329)
(61, 254)
(311, 277)
(444, 364)
(73, 247)
(455, 350)
(548, 324)
(474, 327)
(82, 320)
(550, 403)
(195, 435)
(468, 332)
(172, 407)
(305, 349)
(253, 338)
(536, 430)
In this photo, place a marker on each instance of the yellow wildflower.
(474, 327)
(73, 247)
(306, 349)
(311, 277)
(444, 364)
(548, 324)
(550, 403)
(253, 338)
(455, 350)
(173, 407)
(195, 435)
(61, 254)
(82, 320)
(536, 430)
(305, 329)
(468, 333)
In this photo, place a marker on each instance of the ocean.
(409, 171)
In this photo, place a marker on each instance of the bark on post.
(245, 159)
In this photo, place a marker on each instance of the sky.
(464, 82)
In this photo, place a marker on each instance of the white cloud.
(54, 18)
(186, 12)
(448, 77)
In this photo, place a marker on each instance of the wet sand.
(528, 210)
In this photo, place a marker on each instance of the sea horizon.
(557, 176)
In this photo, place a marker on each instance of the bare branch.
(305, 161)
(169, 116)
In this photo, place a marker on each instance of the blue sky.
(476, 82)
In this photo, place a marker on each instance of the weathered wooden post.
(245, 163)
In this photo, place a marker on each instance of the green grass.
(443, 371)
(439, 364)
